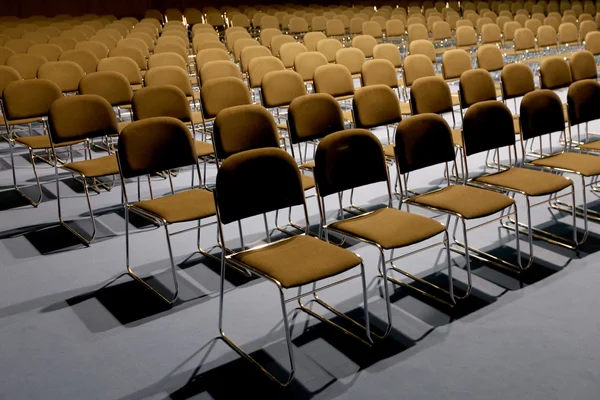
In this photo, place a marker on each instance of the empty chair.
(112, 86)
(329, 47)
(466, 38)
(65, 43)
(84, 58)
(267, 35)
(19, 46)
(583, 66)
(218, 69)
(164, 59)
(334, 28)
(311, 39)
(98, 48)
(204, 56)
(567, 34)
(417, 32)
(251, 52)
(26, 65)
(221, 93)
(50, 52)
(351, 58)
(289, 51)
(125, 66)
(279, 41)
(454, 63)
(554, 73)
(372, 28)
(306, 63)
(364, 43)
(582, 98)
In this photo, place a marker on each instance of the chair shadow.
(10, 198)
(56, 238)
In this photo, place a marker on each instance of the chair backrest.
(430, 94)
(84, 58)
(424, 47)
(260, 66)
(372, 28)
(388, 51)
(454, 63)
(541, 113)
(348, 159)
(466, 36)
(351, 58)
(364, 43)
(395, 28)
(5, 54)
(280, 185)
(241, 128)
(26, 65)
(169, 75)
(334, 27)
(280, 88)
(312, 38)
(99, 49)
(267, 35)
(251, 52)
(108, 41)
(554, 73)
(333, 79)
(155, 145)
(417, 66)
(221, 93)
(64, 42)
(583, 66)
(289, 51)
(582, 98)
(489, 57)
(124, 65)
(533, 25)
(161, 101)
(490, 33)
(516, 80)
(167, 59)
(481, 135)
(204, 56)
(278, 41)
(218, 69)
(19, 46)
(81, 117)
(567, 33)
(7, 75)
(329, 47)
(414, 137)
(524, 39)
(416, 32)
(306, 63)
(66, 74)
(374, 106)
(50, 52)
(314, 116)
(29, 98)
(112, 86)
(546, 36)
(138, 44)
(171, 48)
(476, 85)
(586, 27)
(376, 72)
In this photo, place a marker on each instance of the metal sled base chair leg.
(288, 263)
(83, 117)
(161, 144)
(465, 203)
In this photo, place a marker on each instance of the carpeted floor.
(72, 326)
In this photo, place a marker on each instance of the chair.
(554, 73)
(541, 114)
(329, 48)
(50, 52)
(65, 43)
(77, 118)
(581, 98)
(260, 66)
(417, 32)
(466, 38)
(583, 66)
(267, 35)
(289, 51)
(99, 49)
(373, 29)
(204, 56)
(19, 46)
(568, 34)
(124, 65)
(489, 57)
(132, 53)
(167, 59)
(306, 63)
(27, 101)
(335, 29)
(84, 58)
(167, 145)
(414, 152)
(455, 63)
(351, 58)
(364, 43)
(108, 41)
(65, 74)
(278, 41)
(279, 89)
(282, 189)
(490, 33)
(221, 93)
(36, 37)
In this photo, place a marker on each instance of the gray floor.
(73, 327)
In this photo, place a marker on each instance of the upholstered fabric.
(169, 75)
(487, 125)
(476, 85)
(306, 63)
(279, 88)
(528, 181)
(203, 149)
(455, 62)
(112, 86)
(29, 98)
(468, 201)
(95, 167)
(584, 164)
(430, 95)
(517, 80)
(221, 93)
(161, 101)
(390, 228)
(299, 260)
(26, 64)
(218, 69)
(314, 116)
(554, 73)
(541, 112)
(376, 72)
(489, 57)
(333, 79)
(124, 65)
(583, 98)
(40, 142)
(376, 105)
(260, 66)
(180, 207)
(85, 58)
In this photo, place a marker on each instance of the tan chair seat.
(388, 150)
(595, 145)
(348, 116)
(41, 142)
(390, 228)
(95, 167)
(203, 149)
(584, 164)
(282, 126)
(455, 100)
(457, 137)
(180, 207)
(468, 201)
(310, 165)
(401, 82)
(19, 121)
(197, 117)
(136, 87)
(517, 126)
(299, 260)
(196, 95)
(405, 108)
(528, 181)
(308, 182)
(121, 125)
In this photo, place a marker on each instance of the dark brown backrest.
(154, 145)
(113, 86)
(280, 88)
(220, 93)
(476, 85)
(487, 125)
(517, 80)
(348, 159)
(268, 178)
(7, 75)
(583, 66)
(161, 101)
(314, 116)
(541, 113)
(554, 73)
(375, 105)
(169, 75)
(242, 128)
(81, 117)
(583, 99)
(422, 141)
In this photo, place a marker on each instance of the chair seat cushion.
(298, 260)
(282, 126)
(121, 125)
(95, 167)
(595, 145)
(390, 228)
(455, 100)
(41, 142)
(468, 201)
(528, 181)
(405, 108)
(584, 164)
(180, 207)
(310, 165)
(348, 116)
(19, 121)
(457, 137)
(308, 182)
(203, 149)
(388, 150)
(197, 118)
